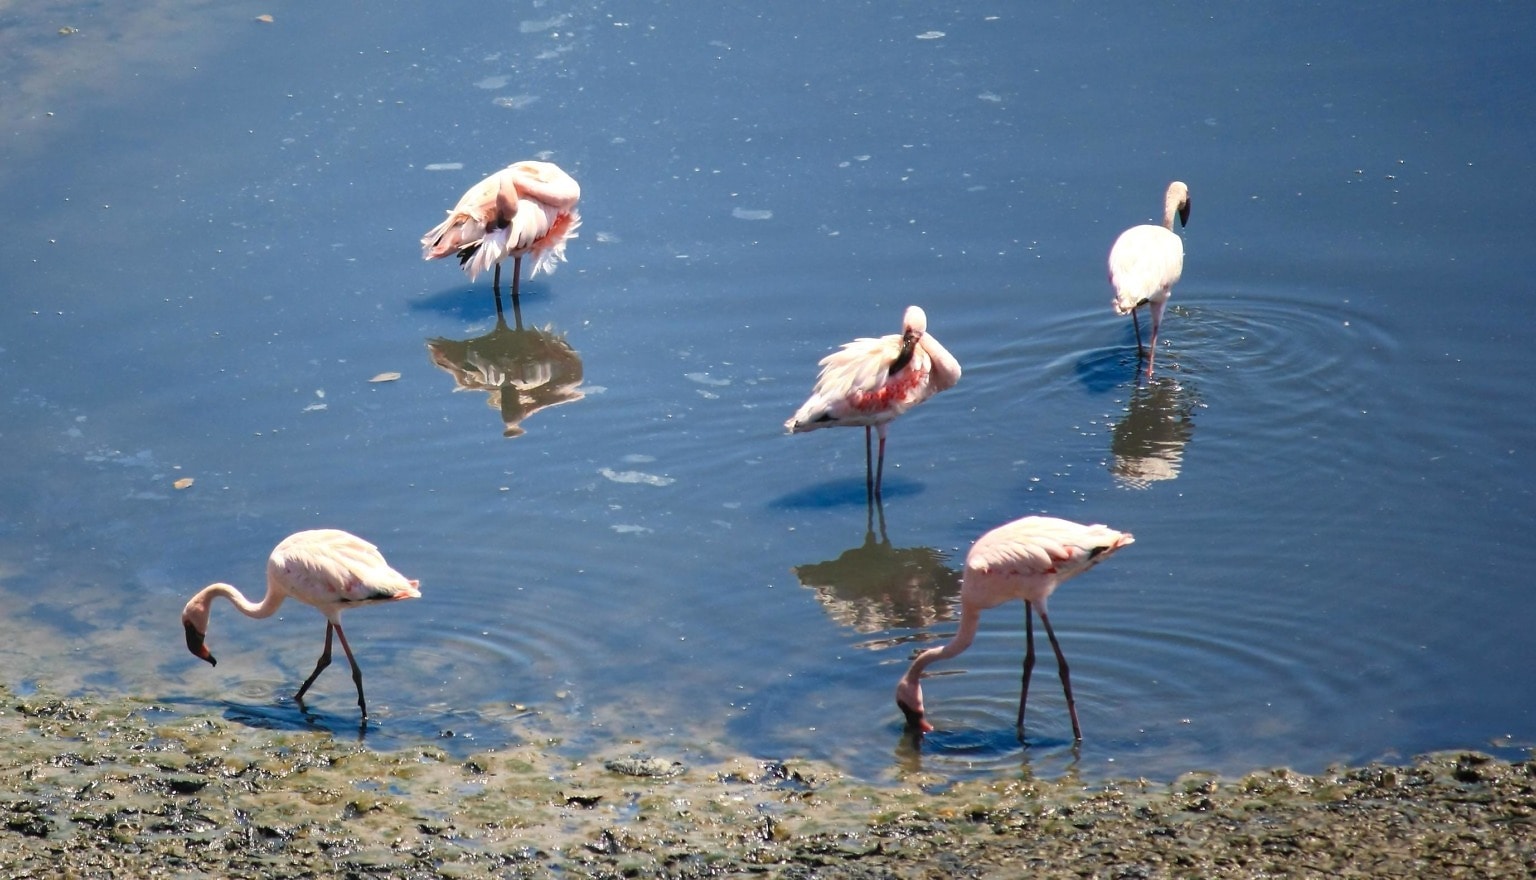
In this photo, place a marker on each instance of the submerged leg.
(357, 673)
(1029, 662)
(324, 661)
(1136, 322)
(517, 274)
(1066, 676)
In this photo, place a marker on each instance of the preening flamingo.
(1024, 559)
(328, 569)
(1144, 264)
(869, 382)
(525, 208)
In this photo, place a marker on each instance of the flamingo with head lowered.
(526, 208)
(327, 569)
(869, 382)
(1024, 559)
(1144, 264)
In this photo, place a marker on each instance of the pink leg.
(324, 661)
(880, 465)
(1066, 676)
(357, 673)
(1029, 664)
(1157, 321)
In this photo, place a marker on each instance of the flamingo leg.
(517, 274)
(324, 661)
(1066, 676)
(869, 471)
(1157, 321)
(880, 462)
(357, 672)
(1029, 662)
(1136, 322)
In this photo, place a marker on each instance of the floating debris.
(264, 19)
(184, 482)
(385, 377)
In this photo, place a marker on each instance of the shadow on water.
(843, 493)
(876, 586)
(521, 369)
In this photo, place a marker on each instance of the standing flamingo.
(525, 208)
(869, 382)
(1146, 262)
(1025, 559)
(328, 569)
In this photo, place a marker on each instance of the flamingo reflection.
(1147, 444)
(522, 369)
(875, 587)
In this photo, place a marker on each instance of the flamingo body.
(525, 209)
(1025, 559)
(869, 382)
(1146, 261)
(327, 569)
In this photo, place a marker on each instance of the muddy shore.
(120, 789)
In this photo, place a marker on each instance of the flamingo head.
(909, 698)
(1176, 201)
(194, 620)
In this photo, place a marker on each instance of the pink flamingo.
(1144, 264)
(328, 569)
(525, 208)
(1025, 559)
(869, 382)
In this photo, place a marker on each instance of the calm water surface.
(208, 245)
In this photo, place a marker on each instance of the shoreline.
(98, 788)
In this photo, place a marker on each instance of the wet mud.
(97, 788)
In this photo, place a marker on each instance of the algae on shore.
(96, 788)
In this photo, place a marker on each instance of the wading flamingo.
(869, 382)
(1025, 559)
(1146, 262)
(525, 208)
(328, 569)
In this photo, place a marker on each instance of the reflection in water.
(523, 370)
(876, 587)
(1147, 444)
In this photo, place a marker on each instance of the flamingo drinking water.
(328, 569)
(1144, 264)
(1025, 559)
(869, 382)
(525, 208)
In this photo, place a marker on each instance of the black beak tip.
(914, 717)
(196, 646)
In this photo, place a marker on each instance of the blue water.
(209, 249)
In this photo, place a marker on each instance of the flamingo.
(1144, 264)
(525, 208)
(1024, 559)
(328, 569)
(869, 382)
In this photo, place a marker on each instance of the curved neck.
(266, 608)
(970, 618)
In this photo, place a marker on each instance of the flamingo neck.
(970, 619)
(265, 608)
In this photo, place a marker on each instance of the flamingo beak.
(1184, 213)
(915, 718)
(195, 644)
